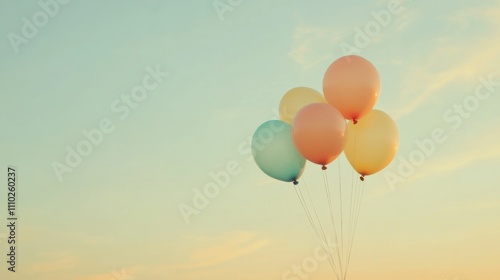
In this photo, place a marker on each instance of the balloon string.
(332, 217)
(351, 214)
(341, 218)
(355, 223)
(322, 230)
(313, 225)
(360, 203)
(352, 208)
(351, 223)
(315, 229)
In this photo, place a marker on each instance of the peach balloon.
(352, 85)
(319, 133)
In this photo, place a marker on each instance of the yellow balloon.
(296, 99)
(372, 143)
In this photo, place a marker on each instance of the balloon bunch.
(320, 127)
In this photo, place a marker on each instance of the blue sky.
(227, 72)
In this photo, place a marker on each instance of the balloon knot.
(354, 121)
(323, 167)
(362, 178)
(295, 182)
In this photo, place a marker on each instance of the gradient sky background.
(119, 208)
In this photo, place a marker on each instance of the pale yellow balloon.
(372, 143)
(296, 99)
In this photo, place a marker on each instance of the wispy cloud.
(406, 18)
(124, 273)
(463, 18)
(315, 44)
(212, 251)
(442, 165)
(482, 147)
(312, 45)
(434, 83)
(36, 234)
(225, 248)
(470, 59)
(57, 261)
(485, 147)
(471, 207)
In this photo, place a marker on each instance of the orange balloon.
(319, 133)
(352, 85)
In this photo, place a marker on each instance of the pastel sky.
(117, 211)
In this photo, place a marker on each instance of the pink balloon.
(352, 85)
(319, 133)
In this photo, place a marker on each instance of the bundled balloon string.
(341, 220)
(332, 218)
(319, 234)
(329, 251)
(339, 258)
(352, 213)
(360, 188)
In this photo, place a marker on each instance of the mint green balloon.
(274, 152)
